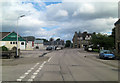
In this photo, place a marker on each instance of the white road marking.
(19, 79)
(37, 71)
(26, 73)
(39, 68)
(22, 76)
(49, 59)
(33, 76)
(29, 71)
(30, 79)
(44, 61)
(37, 63)
(42, 64)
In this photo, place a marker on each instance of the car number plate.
(111, 57)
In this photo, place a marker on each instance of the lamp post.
(17, 31)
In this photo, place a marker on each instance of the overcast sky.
(58, 19)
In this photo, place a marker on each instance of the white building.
(38, 44)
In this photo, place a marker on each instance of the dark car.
(104, 54)
(49, 48)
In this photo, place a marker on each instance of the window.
(10, 42)
(13, 42)
(22, 43)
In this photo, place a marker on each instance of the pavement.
(63, 65)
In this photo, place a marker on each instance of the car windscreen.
(107, 52)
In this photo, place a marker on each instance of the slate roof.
(118, 22)
(3, 34)
(29, 38)
(83, 35)
(38, 41)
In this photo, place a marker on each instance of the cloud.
(62, 13)
(85, 8)
(41, 21)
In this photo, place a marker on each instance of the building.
(59, 43)
(29, 42)
(38, 44)
(9, 39)
(117, 37)
(81, 39)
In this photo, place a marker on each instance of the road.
(62, 65)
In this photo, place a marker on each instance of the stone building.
(117, 37)
(81, 39)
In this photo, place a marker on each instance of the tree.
(103, 41)
(45, 40)
(94, 33)
(58, 39)
(51, 39)
(38, 39)
(68, 43)
(3, 48)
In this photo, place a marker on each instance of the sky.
(58, 18)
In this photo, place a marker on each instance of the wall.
(29, 46)
(10, 46)
(117, 40)
(41, 46)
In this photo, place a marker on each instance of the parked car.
(49, 48)
(90, 49)
(104, 54)
(58, 48)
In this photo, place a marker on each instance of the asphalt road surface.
(62, 65)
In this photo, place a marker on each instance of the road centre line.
(19, 79)
(49, 59)
(30, 80)
(26, 73)
(36, 72)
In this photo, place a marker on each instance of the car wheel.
(113, 58)
(104, 58)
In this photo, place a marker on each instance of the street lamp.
(17, 31)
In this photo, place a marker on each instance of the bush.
(95, 50)
(3, 48)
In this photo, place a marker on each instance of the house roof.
(3, 34)
(83, 35)
(118, 22)
(38, 41)
(10, 36)
(29, 38)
